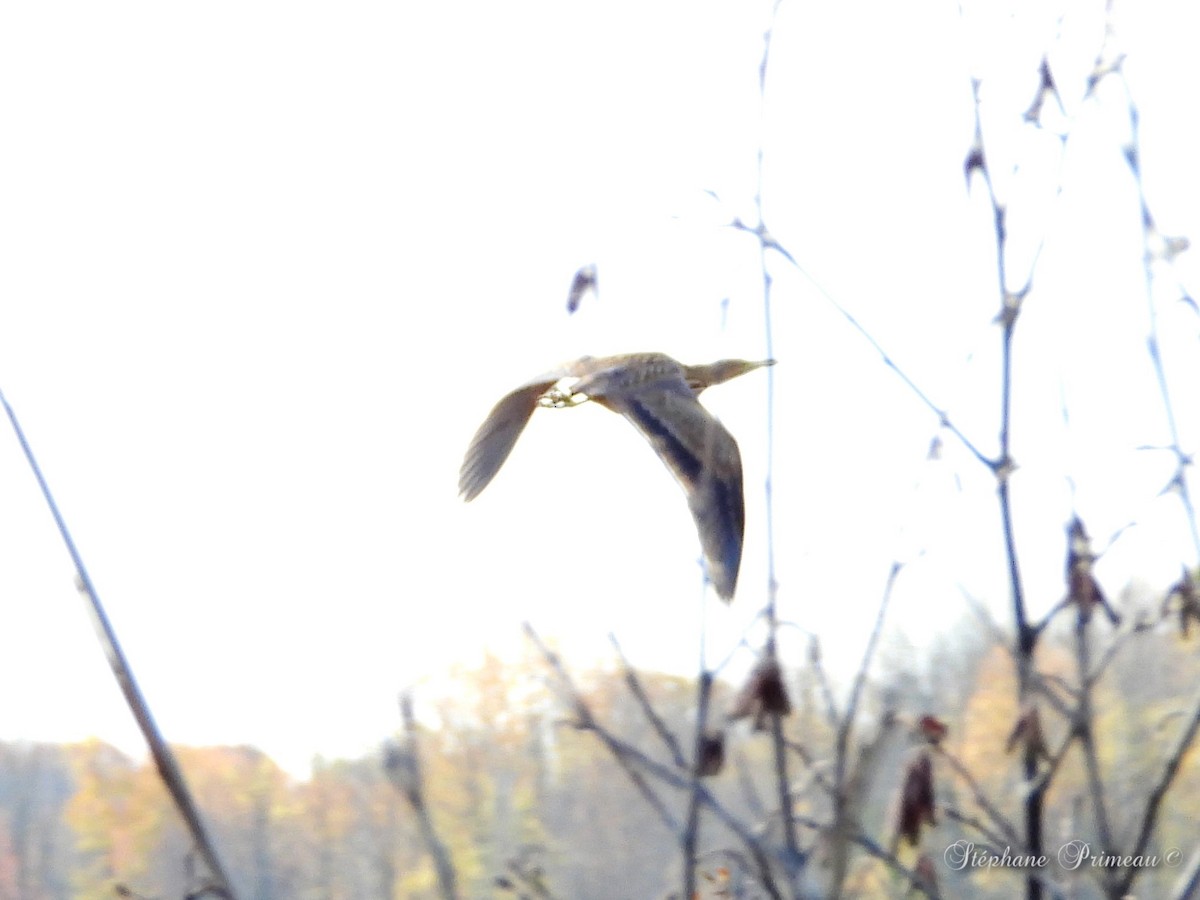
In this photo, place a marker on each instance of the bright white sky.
(264, 268)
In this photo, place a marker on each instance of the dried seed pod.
(1083, 591)
(932, 729)
(763, 694)
(916, 799)
(711, 758)
(1027, 733)
(585, 280)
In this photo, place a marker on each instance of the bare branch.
(814, 659)
(860, 676)
(795, 858)
(168, 767)
(1188, 884)
(972, 822)
(587, 722)
(877, 850)
(691, 832)
(768, 242)
(981, 799)
(1159, 250)
(1084, 727)
(1183, 743)
(639, 694)
(634, 762)
(403, 766)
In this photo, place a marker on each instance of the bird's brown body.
(659, 396)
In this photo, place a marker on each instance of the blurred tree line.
(530, 805)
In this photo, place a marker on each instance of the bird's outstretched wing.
(655, 393)
(704, 458)
(499, 432)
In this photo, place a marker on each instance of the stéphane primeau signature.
(1071, 856)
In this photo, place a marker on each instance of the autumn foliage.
(519, 793)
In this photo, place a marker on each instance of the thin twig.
(1109, 655)
(691, 831)
(851, 787)
(164, 759)
(843, 814)
(977, 793)
(1026, 633)
(972, 822)
(754, 801)
(634, 762)
(586, 721)
(1055, 760)
(813, 766)
(1183, 743)
(639, 693)
(796, 858)
(1187, 887)
(814, 660)
(878, 851)
(769, 243)
(1084, 727)
(1157, 248)
(403, 766)
(1038, 681)
(529, 873)
(860, 677)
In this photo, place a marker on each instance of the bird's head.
(701, 377)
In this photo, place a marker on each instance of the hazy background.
(265, 267)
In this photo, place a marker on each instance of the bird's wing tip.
(724, 583)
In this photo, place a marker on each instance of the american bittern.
(659, 396)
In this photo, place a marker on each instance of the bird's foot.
(557, 398)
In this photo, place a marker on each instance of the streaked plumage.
(659, 396)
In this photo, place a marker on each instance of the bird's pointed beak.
(751, 365)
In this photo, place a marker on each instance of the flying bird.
(660, 397)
